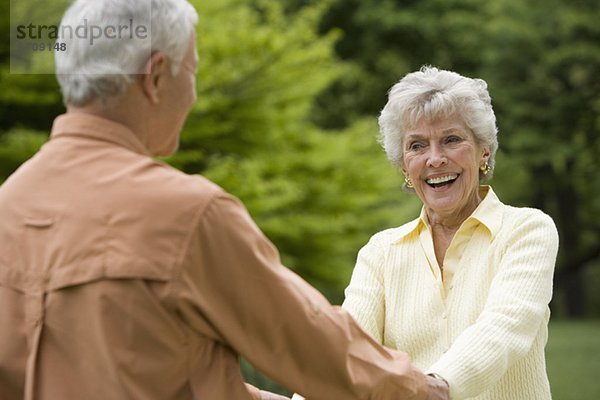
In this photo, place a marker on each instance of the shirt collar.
(97, 128)
(488, 213)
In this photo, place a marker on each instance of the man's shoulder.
(175, 185)
(153, 191)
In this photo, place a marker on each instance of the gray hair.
(101, 68)
(431, 93)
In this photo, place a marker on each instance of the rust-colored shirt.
(123, 278)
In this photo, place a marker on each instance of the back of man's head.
(109, 41)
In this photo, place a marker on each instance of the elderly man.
(123, 278)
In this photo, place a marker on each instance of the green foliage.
(320, 201)
(259, 71)
(15, 147)
(550, 54)
(540, 60)
(387, 39)
(317, 195)
(28, 100)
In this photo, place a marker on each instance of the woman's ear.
(154, 71)
(486, 154)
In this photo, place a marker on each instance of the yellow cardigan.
(483, 327)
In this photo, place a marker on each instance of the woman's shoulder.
(529, 215)
(522, 222)
(508, 216)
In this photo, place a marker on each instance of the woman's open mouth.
(442, 180)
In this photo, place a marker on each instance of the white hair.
(101, 67)
(432, 93)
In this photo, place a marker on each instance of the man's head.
(119, 36)
(132, 61)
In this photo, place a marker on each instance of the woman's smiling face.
(442, 158)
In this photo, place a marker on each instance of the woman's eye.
(415, 146)
(453, 139)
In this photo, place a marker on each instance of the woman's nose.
(436, 157)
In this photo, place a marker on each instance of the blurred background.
(288, 96)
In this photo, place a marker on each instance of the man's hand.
(271, 396)
(438, 389)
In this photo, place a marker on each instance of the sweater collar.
(488, 213)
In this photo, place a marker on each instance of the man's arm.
(279, 323)
(437, 389)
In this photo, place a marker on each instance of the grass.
(573, 359)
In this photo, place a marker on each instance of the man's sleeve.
(278, 322)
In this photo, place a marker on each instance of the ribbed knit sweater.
(483, 324)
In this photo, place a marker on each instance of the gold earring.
(409, 183)
(485, 168)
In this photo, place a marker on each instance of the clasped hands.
(437, 390)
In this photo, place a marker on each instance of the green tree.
(318, 195)
(542, 60)
(539, 60)
(26, 100)
(16, 147)
(385, 39)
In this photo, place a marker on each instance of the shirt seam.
(184, 249)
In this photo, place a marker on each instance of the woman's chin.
(442, 199)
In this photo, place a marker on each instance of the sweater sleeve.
(364, 296)
(515, 308)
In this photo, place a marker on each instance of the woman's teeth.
(441, 179)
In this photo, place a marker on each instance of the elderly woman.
(465, 287)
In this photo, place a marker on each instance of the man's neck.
(121, 111)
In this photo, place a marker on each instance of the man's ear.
(154, 71)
